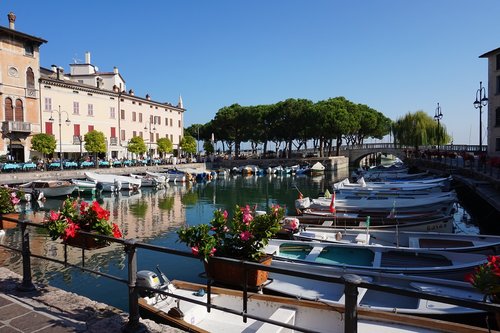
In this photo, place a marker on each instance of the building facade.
(69, 105)
(493, 101)
(19, 91)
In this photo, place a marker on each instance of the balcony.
(113, 141)
(16, 126)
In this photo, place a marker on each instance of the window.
(112, 113)
(76, 108)
(157, 136)
(28, 49)
(91, 128)
(48, 104)
(497, 117)
(9, 110)
(76, 129)
(122, 114)
(122, 135)
(151, 137)
(134, 133)
(48, 128)
(140, 117)
(151, 119)
(497, 91)
(172, 138)
(140, 134)
(158, 120)
(498, 61)
(19, 114)
(170, 122)
(179, 123)
(134, 116)
(90, 110)
(30, 79)
(113, 132)
(166, 121)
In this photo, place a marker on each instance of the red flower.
(101, 212)
(83, 207)
(116, 231)
(195, 250)
(54, 215)
(70, 231)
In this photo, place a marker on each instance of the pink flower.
(225, 215)
(245, 235)
(195, 250)
(212, 251)
(14, 199)
(247, 218)
(53, 215)
(70, 231)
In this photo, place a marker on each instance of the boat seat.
(363, 238)
(327, 223)
(284, 315)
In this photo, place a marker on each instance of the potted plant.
(77, 215)
(486, 278)
(8, 204)
(242, 236)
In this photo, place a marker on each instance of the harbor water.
(153, 216)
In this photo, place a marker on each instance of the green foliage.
(95, 142)
(208, 147)
(486, 278)
(43, 143)
(136, 145)
(8, 200)
(416, 129)
(164, 145)
(188, 144)
(243, 236)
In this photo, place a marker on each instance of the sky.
(396, 56)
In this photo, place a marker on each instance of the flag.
(332, 203)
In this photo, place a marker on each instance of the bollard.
(133, 324)
(27, 284)
(351, 282)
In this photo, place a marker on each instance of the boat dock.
(48, 309)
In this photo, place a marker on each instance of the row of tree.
(327, 124)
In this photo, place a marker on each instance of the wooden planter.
(86, 242)
(234, 274)
(5, 224)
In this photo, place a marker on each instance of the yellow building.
(70, 104)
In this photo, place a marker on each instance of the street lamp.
(438, 115)
(51, 119)
(148, 128)
(481, 100)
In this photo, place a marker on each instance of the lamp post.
(481, 100)
(438, 115)
(198, 141)
(150, 130)
(51, 119)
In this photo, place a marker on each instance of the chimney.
(54, 68)
(131, 92)
(87, 57)
(115, 70)
(12, 19)
(148, 97)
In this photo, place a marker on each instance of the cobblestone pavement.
(49, 309)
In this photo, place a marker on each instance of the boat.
(86, 186)
(113, 182)
(317, 169)
(190, 307)
(49, 188)
(435, 241)
(333, 293)
(440, 264)
(150, 180)
(345, 186)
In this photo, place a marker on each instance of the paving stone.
(58, 329)
(8, 329)
(11, 311)
(31, 321)
(4, 301)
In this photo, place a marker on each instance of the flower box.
(86, 242)
(5, 224)
(233, 273)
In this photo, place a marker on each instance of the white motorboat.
(186, 306)
(333, 293)
(317, 169)
(85, 185)
(49, 188)
(113, 182)
(441, 264)
(345, 186)
(435, 241)
(150, 180)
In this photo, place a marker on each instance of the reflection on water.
(153, 216)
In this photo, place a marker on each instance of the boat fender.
(200, 292)
(176, 313)
(338, 236)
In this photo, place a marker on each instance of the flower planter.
(5, 224)
(85, 242)
(234, 274)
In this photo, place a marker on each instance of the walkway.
(48, 309)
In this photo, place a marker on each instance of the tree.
(188, 144)
(136, 145)
(164, 146)
(416, 129)
(43, 143)
(95, 142)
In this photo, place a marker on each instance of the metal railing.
(352, 282)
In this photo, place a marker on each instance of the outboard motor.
(147, 279)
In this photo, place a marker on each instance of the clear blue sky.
(397, 56)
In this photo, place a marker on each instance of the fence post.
(27, 284)
(351, 282)
(133, 324)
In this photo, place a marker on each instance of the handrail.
(351, 282)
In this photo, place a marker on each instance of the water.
(152, 216)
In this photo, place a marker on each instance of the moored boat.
(49, 188)
(110, 181)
